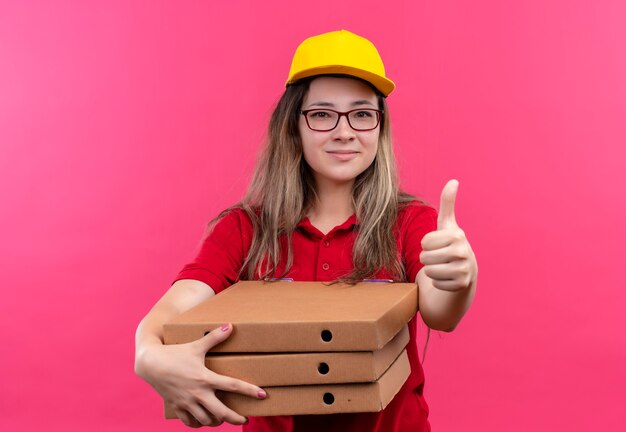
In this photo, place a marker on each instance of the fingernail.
(246, 422)
(261, 394)
(225, 327)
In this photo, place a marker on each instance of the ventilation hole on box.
(327, 335)
(329, 399)
(323, 368)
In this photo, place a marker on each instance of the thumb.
(214, 337)
(446, 218)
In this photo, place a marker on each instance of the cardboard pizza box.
(309, 368)
(321, 399)
(286, 316)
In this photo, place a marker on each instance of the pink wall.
(125, 126)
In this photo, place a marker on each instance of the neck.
(333, 205)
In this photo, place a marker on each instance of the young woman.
(323, 205)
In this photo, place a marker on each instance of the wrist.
(144, 358)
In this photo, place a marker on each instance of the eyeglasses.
(324, 120)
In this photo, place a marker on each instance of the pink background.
(126, 125)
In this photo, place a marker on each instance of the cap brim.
(384, 85)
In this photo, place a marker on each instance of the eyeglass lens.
(325, 120)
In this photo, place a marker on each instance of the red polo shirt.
(319, 257)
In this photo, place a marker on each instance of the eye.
(319, 114)
(364, 114)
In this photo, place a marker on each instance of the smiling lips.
(343, 155)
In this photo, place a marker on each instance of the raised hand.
(447, 256)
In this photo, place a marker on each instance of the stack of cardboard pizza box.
(315, 348)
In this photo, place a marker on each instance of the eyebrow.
(332, 105)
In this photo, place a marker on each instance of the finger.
(440, 239)
(186, 418)
(235, 385)
(443, 255)
(214, 337)
(203, 416)
(456, 270)
(450, 285)
(221, 412)
(446, 218)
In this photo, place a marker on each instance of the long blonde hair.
(282, 191)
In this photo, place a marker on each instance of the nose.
(343, 132)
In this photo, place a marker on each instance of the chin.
(344, 176)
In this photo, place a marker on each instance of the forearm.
(182, 296)
(178, 372)
(150, 329)
(149, 335)
(440, 309)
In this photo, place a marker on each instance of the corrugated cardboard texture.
(321, 399)
(310, 368)
(300, 316)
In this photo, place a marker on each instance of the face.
(340, 155)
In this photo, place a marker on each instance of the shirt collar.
(306, 225)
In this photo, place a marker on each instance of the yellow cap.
(340, 52)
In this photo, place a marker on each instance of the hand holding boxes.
(316, 348)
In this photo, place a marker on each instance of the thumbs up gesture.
(447, 256)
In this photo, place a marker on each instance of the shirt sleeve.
(222, 253)
(417, 220)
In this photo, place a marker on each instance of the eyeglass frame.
(341, 114)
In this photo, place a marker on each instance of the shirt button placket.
(324, 257)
